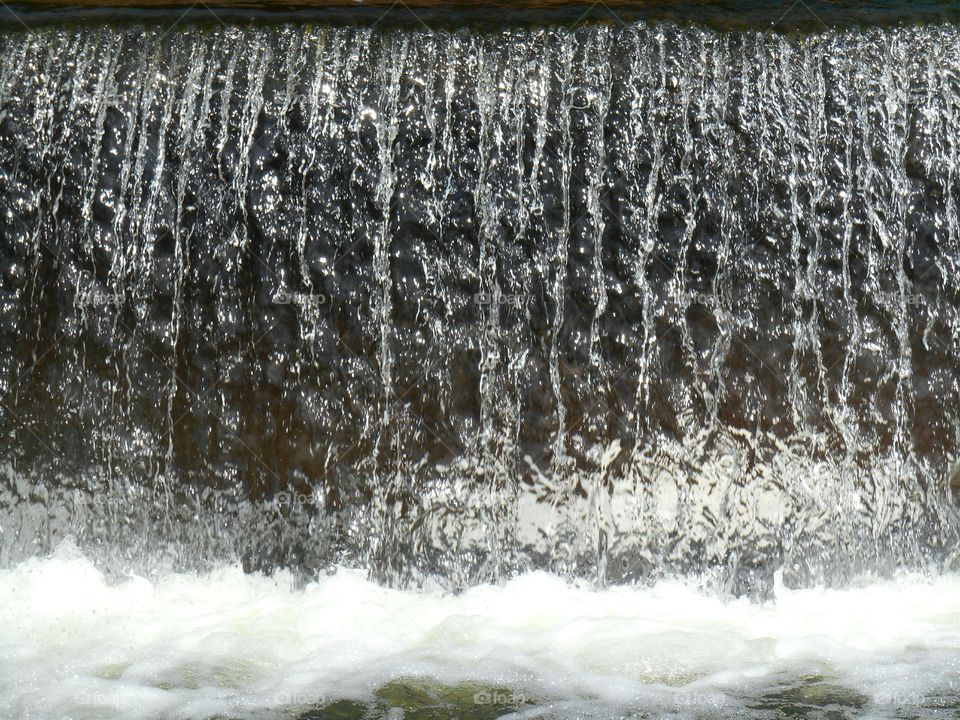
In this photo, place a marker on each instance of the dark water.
(775, 15)
(617, 301)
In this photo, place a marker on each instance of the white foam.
(74, 646)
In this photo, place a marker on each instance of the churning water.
(230, 645)
(619, 303)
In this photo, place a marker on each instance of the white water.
(190, 646)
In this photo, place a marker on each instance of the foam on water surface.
(229, 644)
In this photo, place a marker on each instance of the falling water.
(618, 302)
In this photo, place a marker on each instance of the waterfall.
(619, 302)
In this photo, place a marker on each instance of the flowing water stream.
(640, 331)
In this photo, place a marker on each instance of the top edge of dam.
(778, 16)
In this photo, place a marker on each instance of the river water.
(653, 326)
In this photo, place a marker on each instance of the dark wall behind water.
(776, 15)
(616, 301)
